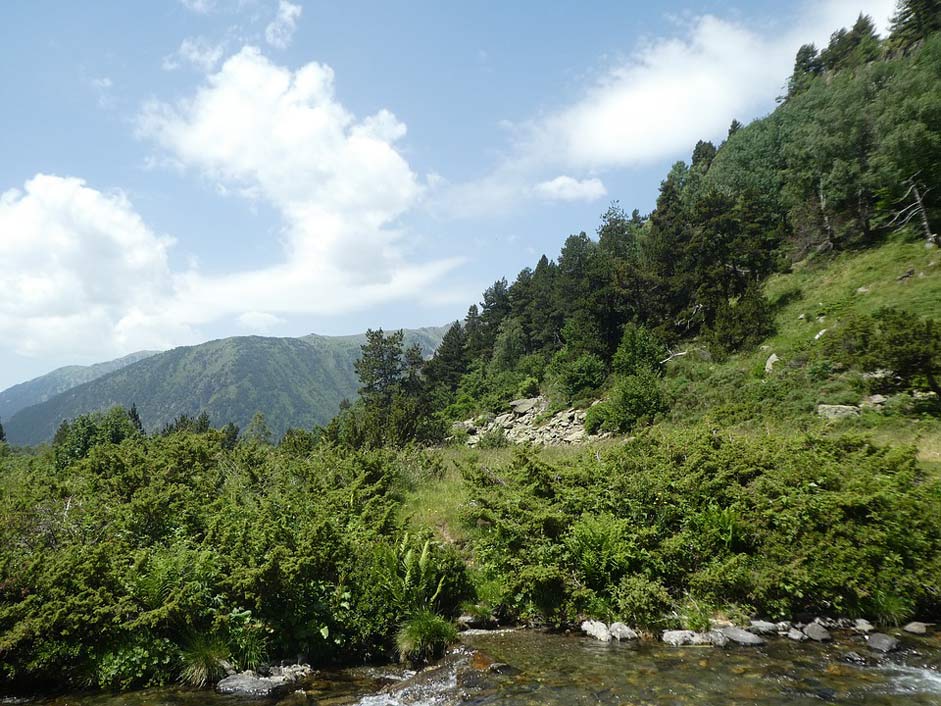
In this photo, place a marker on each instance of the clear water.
(571, 670)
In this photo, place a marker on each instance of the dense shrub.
(632, 399)
(773, 526)
(153, 559)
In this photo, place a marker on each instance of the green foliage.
(494, 439)
(145, 660)
(632, 400)
(700, 520)
(642, 602)
(578, 376)
(424, 637)
(742, 324)
(202, 657)
(639, 350)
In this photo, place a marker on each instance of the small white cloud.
(259, 321)
(197, 51)
(566, 188)
(201, 7)
(102, 86)
(280, 31)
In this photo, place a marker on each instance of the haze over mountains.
(295, 382)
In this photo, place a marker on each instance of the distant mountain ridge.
(294, 382)
(40, 389)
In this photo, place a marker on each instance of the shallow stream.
(513, 668)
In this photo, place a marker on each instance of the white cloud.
(197, 51)
(259, 321)
(202, 7)
(79, 270)
(280, 31)
(565, 188)
(102, 86)
(660, 100)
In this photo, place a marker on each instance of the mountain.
(295, 382)
(40, 389)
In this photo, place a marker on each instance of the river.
(513, 668)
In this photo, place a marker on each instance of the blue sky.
(183, 170)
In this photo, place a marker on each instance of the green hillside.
(40, 389)
(294, 381)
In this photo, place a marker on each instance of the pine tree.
(135, 418)
(449, 362)
(913, 21)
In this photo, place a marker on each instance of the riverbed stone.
(620, 631)
(597, 630)
(741, 637)
(679, 637)
(796, 635)
(880, 642)
(917, 628)
(862, 625)
(818, 633)
(250, 684)
(763, 627)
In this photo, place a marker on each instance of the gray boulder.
(522, 406)
(620, 631)
(769, 364)
(796, 635)
(250, 684)
(880, 642)
(916, 628)
(741, 637)
(763, 627)
(862, 625)
(679, 637)
(818, 633)
(597, 630)
(837, 411)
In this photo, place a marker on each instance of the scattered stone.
(769, 364)
(796, 635)
(597, 630)
(763, 627)
(802, 317)
(741, 637)
(818, 633)
(862, 290)
(820, 334)
(862, 625)
(916, 628)
(679, 637)
(524, 405)
(502, 668)
(905, 275)
(854, 658)
(620, 631)
(880, 642)
(874, 401)
(837, 411)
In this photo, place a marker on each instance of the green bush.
(639, 350)
(632, 400)
(494, 439)
(424, 637)
(578, 376)
(641, 602)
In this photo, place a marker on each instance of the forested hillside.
(849, 161)
(40, 389)
(297, 382)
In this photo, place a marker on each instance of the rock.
(250, 684)
(905, 275)
(916, 628)
(524, 405)
(837, 411)
(716, 637)
(597, 630)
(796, 635)
(619, 631)
(820, 334)
(763, 627)
(769, 364)
(862, 625)
(503, 668)
(873, 401)
(862, 290)
(818, 633)
(854, 658)
(880, 642)
(741, 637)
(802, 317)
(679, 637)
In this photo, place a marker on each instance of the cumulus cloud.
(259, 321)
(196, 51)
(660, 99)
(280, 31)
(80, 271)
(566, 188)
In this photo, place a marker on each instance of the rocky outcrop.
(837, 411)
(524, 423)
